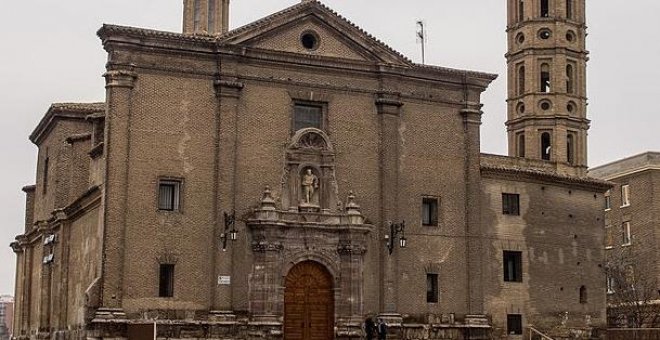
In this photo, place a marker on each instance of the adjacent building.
(6, 316)
(632, 220)
(289, 178)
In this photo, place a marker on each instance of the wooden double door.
(309, 304)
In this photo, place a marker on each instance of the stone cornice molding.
(627, 166)
(541, 177)
(551, 120)
(87, 201)
(63, 111)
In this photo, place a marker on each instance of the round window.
(520, 38)
(570, 107)
(520, 108)
(545, 34)
(545, 105)
(309, 40)
(570, 36)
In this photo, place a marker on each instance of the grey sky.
(50, 53)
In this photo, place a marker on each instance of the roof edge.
(59, 111)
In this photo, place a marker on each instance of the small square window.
(514, 324)
(307, 116)
(625, 195)
(510, 204)
(166, 280)
(431, 288)
(169, 195)
(626, 234)
(429, 211)
(512, 266)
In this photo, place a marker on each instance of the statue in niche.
(310, 183)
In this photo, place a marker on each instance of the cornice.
(89, 199)
(645, 161)
(545, 51)
(108, 32)
(545, 22)
(59, 111)
(552, 120)
(502, 167)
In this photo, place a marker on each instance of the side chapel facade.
(260, 182)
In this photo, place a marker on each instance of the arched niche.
(308, 181)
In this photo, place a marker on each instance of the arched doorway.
(309, 304)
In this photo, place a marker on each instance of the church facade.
(292, 177)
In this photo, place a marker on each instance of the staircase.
(535, 334)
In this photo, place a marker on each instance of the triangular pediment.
(332, 35)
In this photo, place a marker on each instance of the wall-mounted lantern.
(230, 229)
(396, 229)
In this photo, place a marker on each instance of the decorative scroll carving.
(312, 140)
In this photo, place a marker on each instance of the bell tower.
(205, 16)
(546, 61)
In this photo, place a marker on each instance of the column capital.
(471, 116)
(389, 103)
(120, 78)
(228, 87)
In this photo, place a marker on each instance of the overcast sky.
(50, 53)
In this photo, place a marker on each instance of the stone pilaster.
(389, 110)
(119, 87)
(228, 92)
(473, 229)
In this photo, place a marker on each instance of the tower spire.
(546, 63)
(205, 16)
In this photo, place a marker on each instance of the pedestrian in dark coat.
(382, 329)
(369, 328)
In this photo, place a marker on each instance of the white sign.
(224, 280)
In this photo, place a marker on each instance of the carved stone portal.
(310, 226)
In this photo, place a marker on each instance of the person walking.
(369, 328)
(382, 329)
